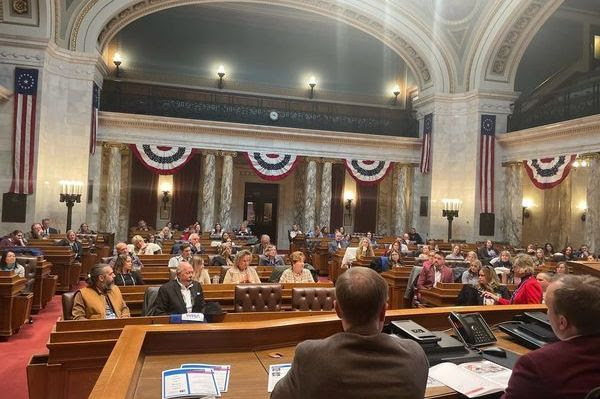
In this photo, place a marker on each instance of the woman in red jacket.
(529, 289)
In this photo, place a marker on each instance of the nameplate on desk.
(187, 318)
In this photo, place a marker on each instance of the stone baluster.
(310, 197)
(325, 215)
(208, 191)
(226, 189)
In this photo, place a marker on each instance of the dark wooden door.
(260, 208)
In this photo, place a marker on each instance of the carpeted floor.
(16, 352)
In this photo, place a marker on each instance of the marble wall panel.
(325, 195)
(299, 187)
(208, 191)
(310, 195)
(512, 221)
(384, 205)
(592, 222)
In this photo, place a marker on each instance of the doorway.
(260, 208)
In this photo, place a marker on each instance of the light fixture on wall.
(583, 208)
(450, 207)
(70, 193)
(166, 190)
(221, 74)
(526, 203)
(348, 198)
(396, 92)
(312, 82)
(117, 60)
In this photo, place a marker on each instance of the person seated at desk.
(71, 241)
(528, 290)
(562, 268)
(294, 232)
(217, 230)
(424, 255)
(123, 249)
(364, 249)
(566, 369)
(337, 243)
(241, 272)
(455, 254)
(471, 275)
(225, 256)
(101, 299)
(270, 257)
(394, 260)
(297, 273)
(8, 263)
(244, 230)
(164, 234)
(14, 239)
(414, 236)
(260, 248)
(200, 273)
(549, 251)
(315, 233)
(36, 232)
(431, 274)
(488, 281)
(46, 229)
(141, 247)
(182, 295)
(487, 252)
(567, 253)
(361, 362)
(124, 273)
(538, 259)
(544, 279)
(84, 228)
(396, 247)
(142, 226)
(186, 256)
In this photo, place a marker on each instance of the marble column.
(325, 214)
(384, 205)
(113, 188)
(299, 187)
(226, 190)
(401, 195)
(310, 195)
(592, 217)
(513, 200)
(208, 192)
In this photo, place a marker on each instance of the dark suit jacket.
(170, 301)
(348, 365)
(333, 246)
(427, 276)
(75, 246)
(562, 370)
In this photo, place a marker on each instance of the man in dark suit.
(72, 241)
(182, 295)
(361, 362)
(338, 243)
(46, 229)
(259, 248)
(567, 369)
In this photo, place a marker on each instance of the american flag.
(426, 147)
(486, 166)
(26, 82)
(94, 126)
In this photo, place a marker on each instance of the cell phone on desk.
(472, 329)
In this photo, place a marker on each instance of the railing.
(580, 99)
(147, 99)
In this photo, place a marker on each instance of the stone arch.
(99, 20)
(495, 58)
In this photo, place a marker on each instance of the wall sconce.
(583, 208)
(166, 190)
(450, 211)
(117, 60)
(348, 198)
(312, 82)
(396, 92)
(221, 74)
(526, 203)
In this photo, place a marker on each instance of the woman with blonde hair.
(225, 257)
(529, 289)
(296, 273)
(141, 247)
(200, 273)
(241, 272)
(488, 281)
(365, 248)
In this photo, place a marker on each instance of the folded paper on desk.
(277, 372)
(472, 379)
(189, 383)
(221, 372)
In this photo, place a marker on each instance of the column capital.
(120, 146)
(209, 152)
(589, 155)
(512, 163)
(222, 153)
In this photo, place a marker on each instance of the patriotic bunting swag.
(549, 172)
(26, 81)
(160, 159)
(426, 146)
(368, 173)
(486, 165)
(272, 166)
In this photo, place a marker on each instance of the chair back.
(593, 394)
(313, 298)
(257, 298)
(68, 298)
(29, 263)
(149, 298)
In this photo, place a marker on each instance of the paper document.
(277, 372)
(185, 383)
(433, 383)
(221, 372)
(472, 379)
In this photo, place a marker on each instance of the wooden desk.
(126, 374)
(15, 306)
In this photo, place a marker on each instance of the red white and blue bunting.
(272, 166)
(163, 160)
(549, 172)
(368, 173)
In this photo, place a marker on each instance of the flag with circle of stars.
(486, 164)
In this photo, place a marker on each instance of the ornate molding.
(232, 154)
(20, 6)
(5, 94)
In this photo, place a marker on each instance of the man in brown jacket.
(361, 362)
(101, 299)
